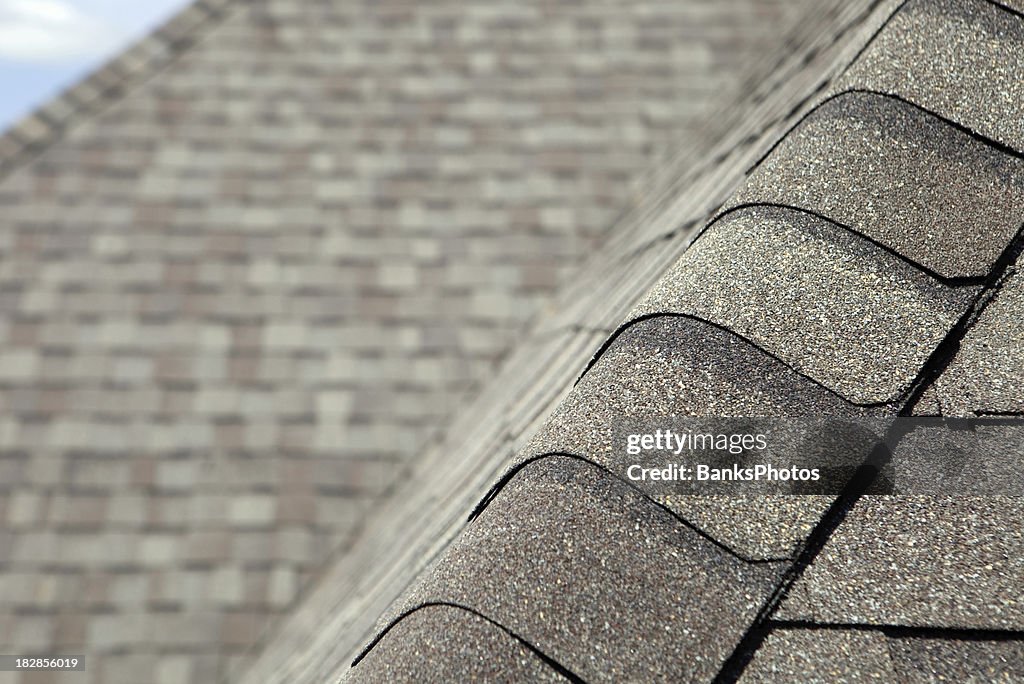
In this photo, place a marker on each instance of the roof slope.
(250, 268)
(420, 517)
(809, 302)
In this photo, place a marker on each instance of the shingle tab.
(820, 657)
(685, 367)
(826, 656)
(585, 568)
(938, 196)
(916, 560)
(978, 661)
(448, 644)
(986, 374)
(971, 75)
(829, 303)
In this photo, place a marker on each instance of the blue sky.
(47, 45)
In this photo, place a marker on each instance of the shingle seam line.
(966, 130)
(548, 660)
(948, 281)
(937, 362)
(735, 665)
(673, 314)
(943, 354)
(902, 631)
(514, 470)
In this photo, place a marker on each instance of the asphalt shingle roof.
(985, 376)
(810, 292)
(685, 367)
(849, 655)
(250, 269)
(774, 307)
(935, 561)
(927, 191)
(958, 60)
(523, 561)
(417, 650)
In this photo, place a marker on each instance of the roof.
(811, 292)
(251, 268)
(417, 520)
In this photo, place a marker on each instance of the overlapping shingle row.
(843, 278)
(248, 269)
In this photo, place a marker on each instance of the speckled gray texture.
(840, 656)
(675, 366)
(920, 660)
(820, 657)
(829, 303)
(982, 460)
(938, 196)
(922, 561)
(447, 644)
(599, 578)
(961, 59)
(987, 374)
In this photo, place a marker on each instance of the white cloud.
(52, 31)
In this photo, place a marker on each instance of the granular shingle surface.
(938, 196)
(920, 561)
(981, 459)
(418, 649)
(249, 270)
(959, 59)
(679, 366)
(987, 374)
(829, 303)
(919, 660)
(820, 657)
(851, 656)
(586, 569)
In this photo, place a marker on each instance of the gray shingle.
(972, 71)
(676, 366)
(447, 644)
(937, 196)
(985, 376)
(832, 305)
(584, 568)
(309, 237)
(846, 655)
(944, 458)
(820, 657)
(971, 661)
(916, 560)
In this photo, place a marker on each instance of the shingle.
(854, 655)
(675, 366)
(951, 458)
(917, 560)
(829, 303)
(820, 657)
(448, 644)
(985, 376)
(938, 196)
(970, 661)
(972, 71)
(584, 568)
